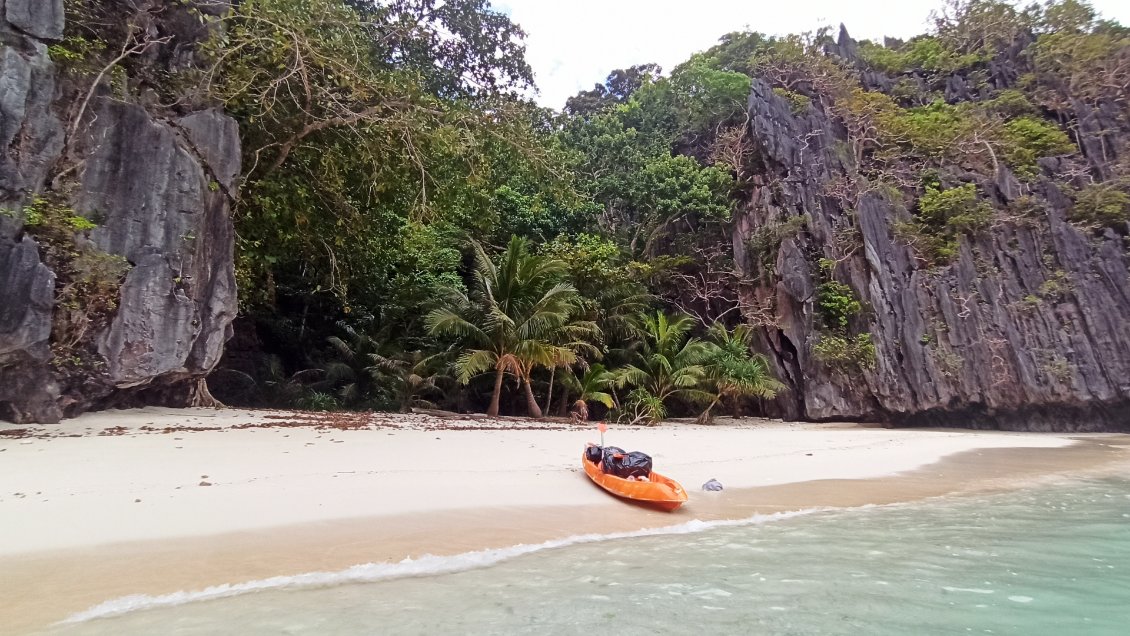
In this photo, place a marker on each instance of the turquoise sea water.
(1049, 560)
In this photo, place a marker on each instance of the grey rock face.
(211, 135)
(1026, 329)
(27, 288)
(38, 18)
(147, 191)
(31, 136)
(28, 392)
(148, 184)
(156, 325)
(158, 187)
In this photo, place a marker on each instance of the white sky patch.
(573, 44)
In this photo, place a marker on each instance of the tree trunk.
(199, 395)
(493, 410)
(531, 401)
(549, 398)
(563, 403)
(706, 417)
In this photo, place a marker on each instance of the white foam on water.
(426, 565)
(714, 592)
(1020, 599)
(971, 590)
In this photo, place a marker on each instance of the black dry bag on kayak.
(606, 462)
(594, 454)
(634, 464)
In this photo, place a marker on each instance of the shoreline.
(767, 468)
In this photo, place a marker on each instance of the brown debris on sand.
(185, 421)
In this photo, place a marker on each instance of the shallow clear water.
(1053, 560)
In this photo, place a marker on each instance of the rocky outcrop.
(1025, 329)
(158, 190)
(156, 185)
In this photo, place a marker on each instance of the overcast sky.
(573, 44)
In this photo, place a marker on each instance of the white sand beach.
(156, 489)
(127, 484)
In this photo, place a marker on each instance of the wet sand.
(40, 587)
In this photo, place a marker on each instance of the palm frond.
(445, 322)
(336, 372)
(349, 393)
(389, 365)
(474, 362)
(601, 397)
(343, 348)
(688, 376)
(631, 375)
(511, 364)
(696, 395)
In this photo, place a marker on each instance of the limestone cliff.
(116, 238)
(1025, 328)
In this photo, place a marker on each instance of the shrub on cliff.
(837, 304)
(1102, 204)
(1026, 139)
(844, 353)
(942, 216)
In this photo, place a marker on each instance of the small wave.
(971, 590)
(426, 565)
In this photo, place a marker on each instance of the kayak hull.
(660, 492)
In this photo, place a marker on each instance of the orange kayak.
(662, 492)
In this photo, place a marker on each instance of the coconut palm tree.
(733, 370)
(669, 364)
(594, 386)
(581, 339)
(510, 321)
(369, 371)
(410, 378)
(352, 373)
